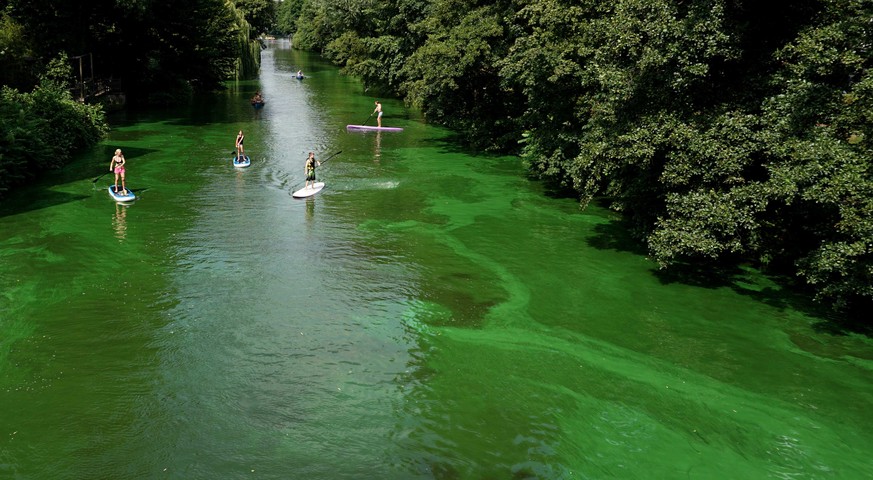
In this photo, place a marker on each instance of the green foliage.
(260, 14)
(376, 40)
(198, 41)
(158, 49)
(817, 130)
(41, 130)
(287, 13)
(453, 76)
(15, 54)
(719, 133)
(314, 27)
(21, 136)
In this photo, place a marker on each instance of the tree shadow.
(781, 291)
(856, 320)
(613, 235)
(41, 192)
(94, 164)
(27, 201)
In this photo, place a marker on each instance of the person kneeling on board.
(309, 169)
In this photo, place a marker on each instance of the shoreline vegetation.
(720, 135)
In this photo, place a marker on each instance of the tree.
(260, 14)
(16, 57)
(152, 46)
(42, 129)
(454, 75)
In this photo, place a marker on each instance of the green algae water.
(431, 314)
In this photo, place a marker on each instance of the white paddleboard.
(308, 192)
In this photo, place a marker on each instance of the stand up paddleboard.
(308, 191)
(367, 127)
(242, 162)
(120, 196)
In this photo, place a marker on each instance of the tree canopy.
(724, 131)
(151, 46)
(157, 51)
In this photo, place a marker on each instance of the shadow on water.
(94, 165)
(23, 202)
(453, 142)
(614, 235)
(87, 167)
(225, 106)
(779, 291)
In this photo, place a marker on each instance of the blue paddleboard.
(120, 196)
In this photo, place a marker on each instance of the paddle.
(101, 176)
(321, 162)
(368, 119)
(335, 154)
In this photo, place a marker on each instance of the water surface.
(431, 314)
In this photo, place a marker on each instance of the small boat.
(258, 104)
(368, 127)
(299, 77)
(243, 162)
(121, 196)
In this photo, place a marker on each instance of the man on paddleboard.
(379, 111)
(309, 169)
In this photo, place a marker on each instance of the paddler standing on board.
(309, 169)
(379, 111)
(240, 149)
(117, 165)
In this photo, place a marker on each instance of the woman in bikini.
(117, 166)
(240, 150)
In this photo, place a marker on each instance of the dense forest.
(723, 131)
(56, 57)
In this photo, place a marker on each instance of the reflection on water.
(377, 149)
(119, 221)
(310, 209)
(240, 182)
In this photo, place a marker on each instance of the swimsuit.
(310, 170)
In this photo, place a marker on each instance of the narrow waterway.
(430, 314)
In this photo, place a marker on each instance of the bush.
(41, 130)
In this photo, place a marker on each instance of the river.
(431, 314)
